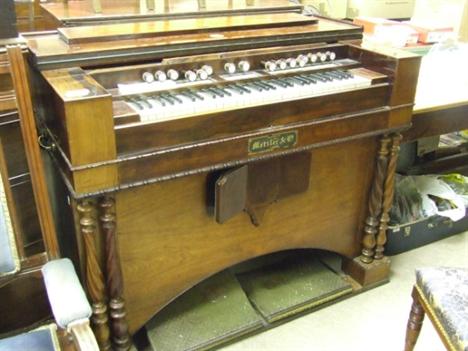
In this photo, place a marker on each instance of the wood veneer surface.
(51, 45)
(168, 242)
(151, 29)
(117, 8)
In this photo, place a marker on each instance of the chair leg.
(415, 322)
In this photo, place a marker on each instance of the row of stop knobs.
(299, 61)
(206, 71)
(191, 75)
(202, 73)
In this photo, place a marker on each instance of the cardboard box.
(387, 32)
(428, 34)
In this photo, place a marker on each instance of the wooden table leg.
(415, 322)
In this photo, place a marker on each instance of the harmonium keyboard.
(184, 147)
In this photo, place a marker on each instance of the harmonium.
(181, 148)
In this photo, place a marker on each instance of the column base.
(367, 274)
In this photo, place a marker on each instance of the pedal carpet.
(211, 313)
(289, 287)
(224, 308)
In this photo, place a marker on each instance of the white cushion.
(66, 296)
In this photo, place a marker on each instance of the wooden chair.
(442, 294)
(71, 313)
(66, 297)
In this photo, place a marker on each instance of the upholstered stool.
(442, 294)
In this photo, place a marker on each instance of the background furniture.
(442, 294)
(71, 312)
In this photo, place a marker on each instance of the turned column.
(94, 278)
(119, 326)
(375, 202)
(389, 189)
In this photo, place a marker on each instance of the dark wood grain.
(388, 192)
(161, 176)
(415, 322)
(29, 133)
(157, 28)
(165, 228)
(95, 283)
(83, 12)
(24, 302)
(119, 327)
(437, 122)
(375, 202)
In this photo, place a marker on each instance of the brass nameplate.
(285, 140)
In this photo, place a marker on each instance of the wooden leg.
(120, 333)
(365, 269)
(375, 202)
(415, 322)
(389, 189)
(94, 277)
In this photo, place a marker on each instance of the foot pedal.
(289, 287)
(211, 313)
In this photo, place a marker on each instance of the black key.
(309, 79)
(161, 101)
(298, 81)
(136, 102)
(198, 96)
(342, 74)
(267, 84)
(318, 77)
(209, 92)
(243, 88)
(216, 91)
(336, 75)
(305, 81)
(254, 86)
(225, 92)
(286, 81)
(165, 98)
(188, 95)
(142, 100)
(278, 83)
(236, 89)
(178, 99)
(172, 98)
(323, 75)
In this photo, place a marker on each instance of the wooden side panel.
(168, 241)
(90, 130)
(83, 125)
(405, 82)
(29, 132)
(85, 118)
